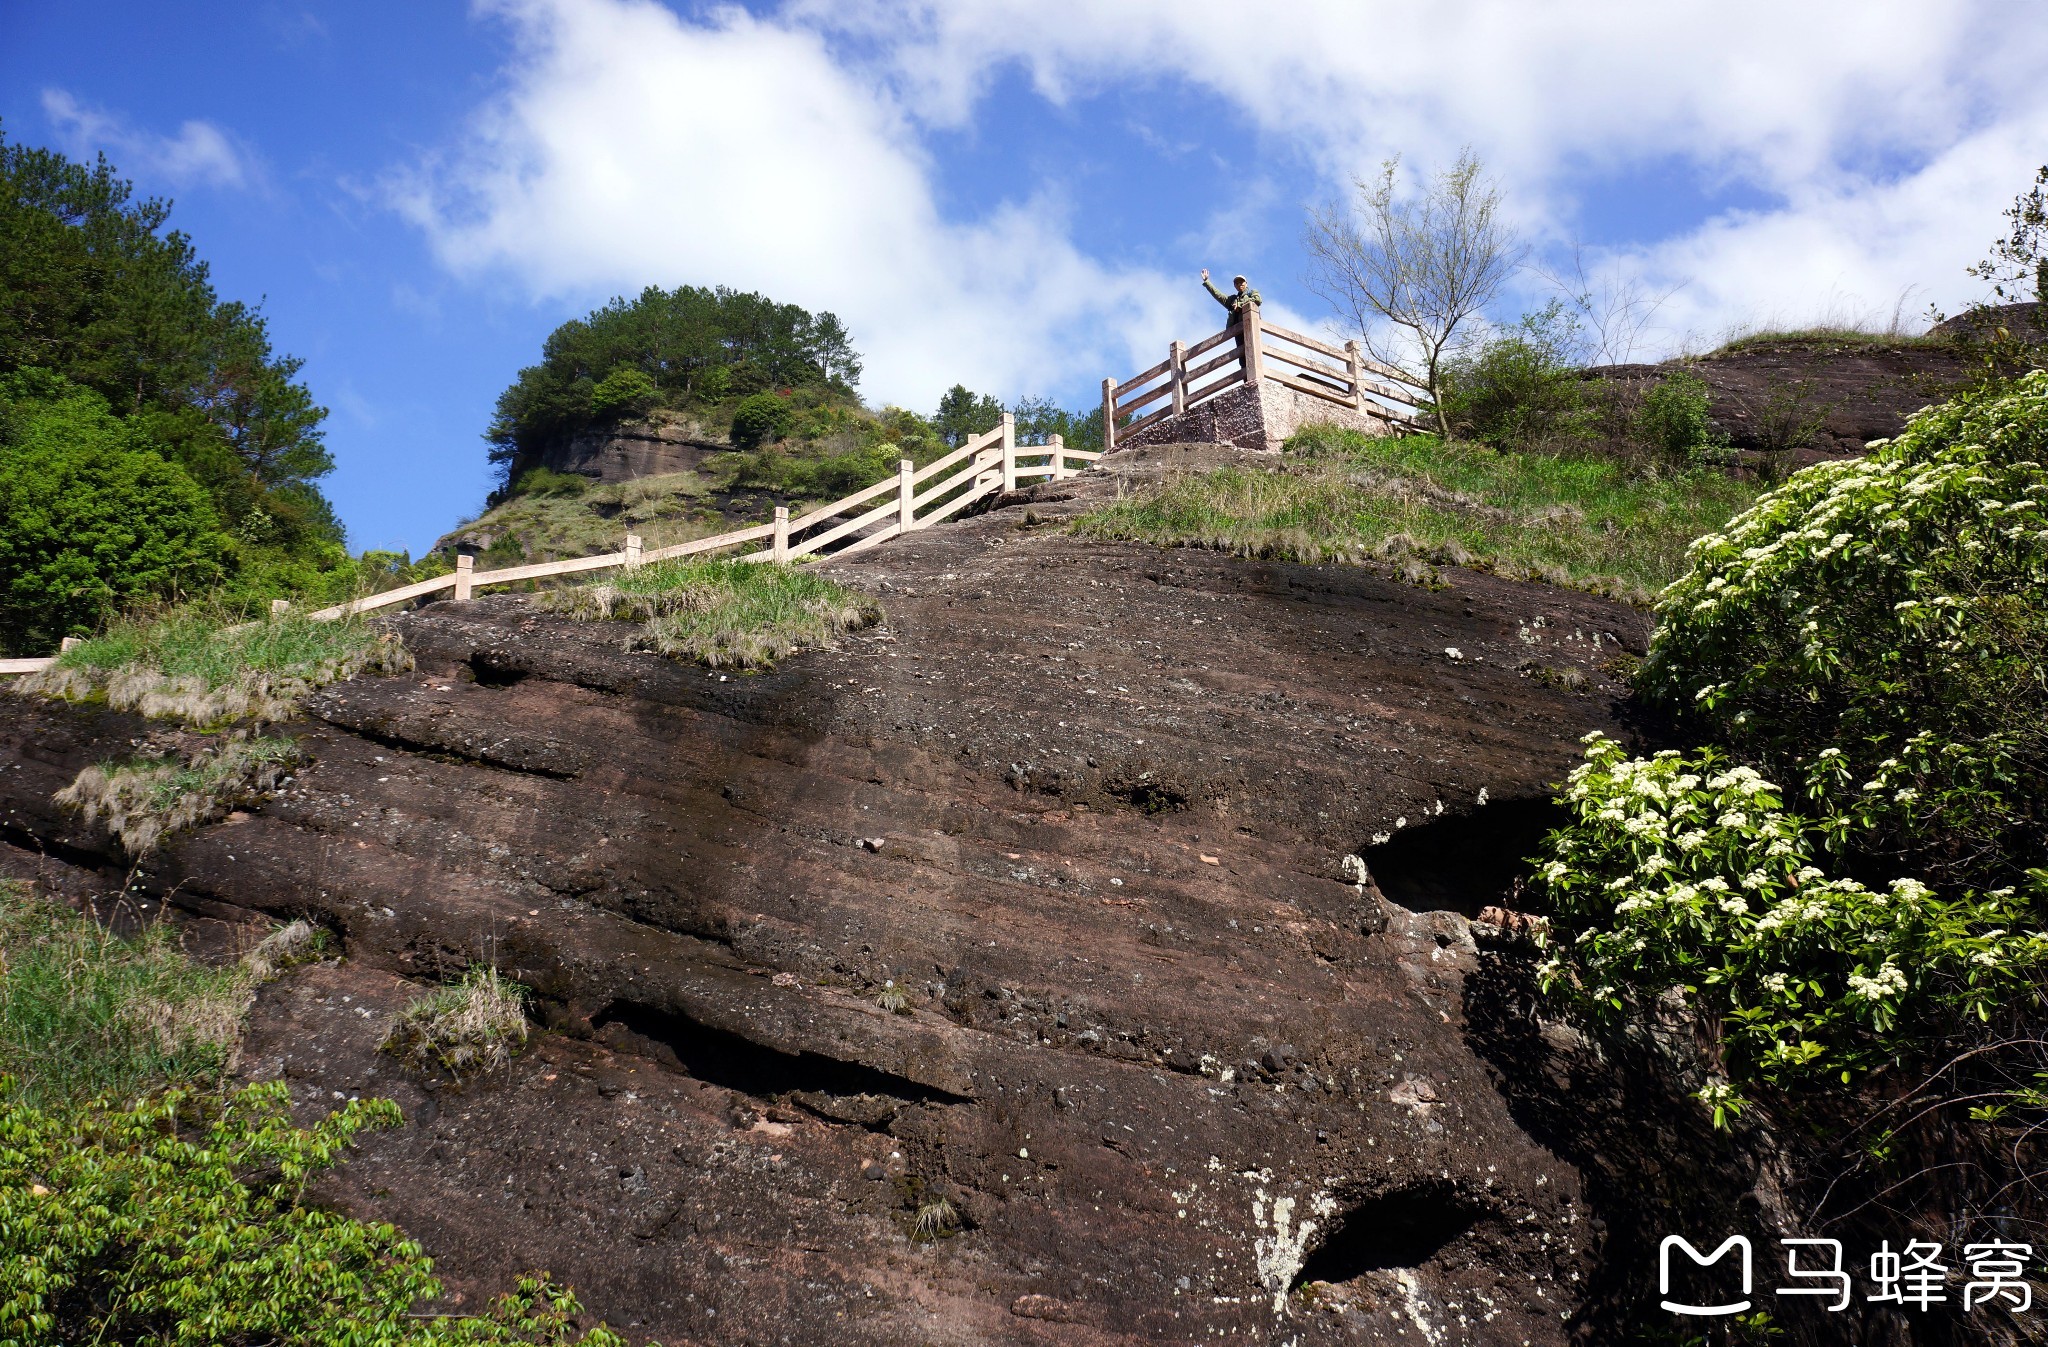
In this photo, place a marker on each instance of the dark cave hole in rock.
(1148, 794)
(1464, 862)
(495, 670)
(734, 1062)
(1402, 1229)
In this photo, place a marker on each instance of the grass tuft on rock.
(1582, 520)
(85, 1013)
(203, 665)
(144, 801)
(721, 613)
(465, 1029)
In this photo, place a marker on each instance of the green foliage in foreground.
(85, 1013)
(182, 1219)
(1585, 520)
(1848, 877)
(1686, 871)
(723, 613)
(1875, 633)
(199, 663)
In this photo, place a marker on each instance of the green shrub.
(1520, 390)
(1686, 874)
(626, 392)
(1875, 635)
(801, 475)
(200, 664)
(85, 1013)
(760, 419)
(183, 1219)
(92, 519)
(1672, 418)
(723, 613)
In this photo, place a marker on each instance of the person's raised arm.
(1214, 293)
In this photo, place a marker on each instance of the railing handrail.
(993, 466)
(1251, 337)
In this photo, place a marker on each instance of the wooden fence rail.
(987, 463)
(1252, 347)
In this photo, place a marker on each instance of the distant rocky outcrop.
(1828, 395)
(633, 449)
(1813, 400)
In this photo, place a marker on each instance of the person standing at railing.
(1244, 297)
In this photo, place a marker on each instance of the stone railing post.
(279, 607)
(465, 565)
(1108, 415)
(1009, 453)
(780, 552)
(1250, 337)
(1354, 360)
(70, 643)
(632, 551)
(1058, 445)
(904, 469)
(1177, 358)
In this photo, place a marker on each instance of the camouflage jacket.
(1233, 301)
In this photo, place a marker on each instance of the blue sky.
(1015, 195)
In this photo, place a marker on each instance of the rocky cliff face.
(1829, 400)
(621, 453)
(1027, 916)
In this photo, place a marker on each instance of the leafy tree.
(182, 1219)
(2017, 266)
(93, 287)
(92, 518)
(692, 345)
(1422, 266)
(1520, 388)
(626, 391)
(760, 419)
(1039, 419)
(962, 415)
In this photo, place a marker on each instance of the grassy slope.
(202, 664)
(672, 508)
(1584, 520)
(721, 613)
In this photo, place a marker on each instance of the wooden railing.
(914, 498)
(1245, 352)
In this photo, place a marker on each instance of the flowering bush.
(1687, 873)
(1873, 634)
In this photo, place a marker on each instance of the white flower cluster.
(1889, 982)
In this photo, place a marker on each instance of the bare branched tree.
(1407, 273)
(1613, 306)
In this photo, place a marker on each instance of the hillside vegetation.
(152, 443)
(1585, 519)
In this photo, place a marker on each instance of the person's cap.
(1235, 279)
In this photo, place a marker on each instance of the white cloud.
(1892, 130)
(628, 146)
(201, 153)
(632, 148)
